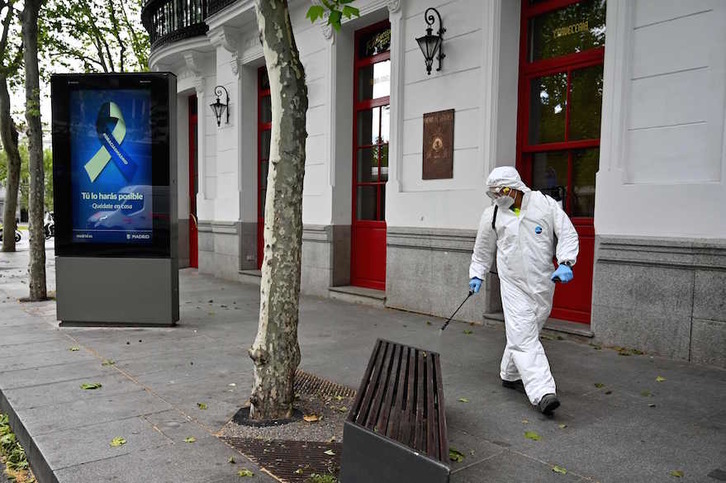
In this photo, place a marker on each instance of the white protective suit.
(525, 246)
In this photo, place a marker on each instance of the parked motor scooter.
(18, 235)
(49, 229)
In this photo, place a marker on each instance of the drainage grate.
(306, 383)
(291, 461)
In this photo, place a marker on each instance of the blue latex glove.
(475, 284)
(562, 274)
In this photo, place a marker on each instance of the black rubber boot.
(548, 404)
(517, 385)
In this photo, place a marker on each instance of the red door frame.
(261, 191)
(584, 225)
(368, 237)
(193, 228)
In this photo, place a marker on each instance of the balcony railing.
(173, 20)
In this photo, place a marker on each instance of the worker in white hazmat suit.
(525, 229)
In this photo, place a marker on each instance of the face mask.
(504, 202)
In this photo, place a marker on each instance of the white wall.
(182, 157)
(463, 85)
(662, 161)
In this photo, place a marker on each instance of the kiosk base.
(117, 292)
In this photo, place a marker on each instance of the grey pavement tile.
(38, 348)
(203, 461)
(177, 426)
(55, 393)
(71, 447)
(31, 359)
(49, 374)
(510, 466)
(98, 409)
(32, 336)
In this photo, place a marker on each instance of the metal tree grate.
(291, 461)
(306, 383)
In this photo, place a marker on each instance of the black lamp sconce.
(220, 107)
(431, 44)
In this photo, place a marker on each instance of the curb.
(41, 469)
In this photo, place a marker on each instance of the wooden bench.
(396, 429)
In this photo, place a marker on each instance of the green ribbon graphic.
(102, 156)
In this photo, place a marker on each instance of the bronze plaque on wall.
(438, 145)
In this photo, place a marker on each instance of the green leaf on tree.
(315, 12)
(456, 455)
(350, 12)
(334, 19)
(91, 385)
(532, 435)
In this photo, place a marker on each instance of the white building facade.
(616, 108)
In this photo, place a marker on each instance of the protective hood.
(506, 176)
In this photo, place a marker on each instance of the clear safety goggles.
(495, 193)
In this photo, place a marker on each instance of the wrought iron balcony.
(173, 20)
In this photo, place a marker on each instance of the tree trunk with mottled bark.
(35, 150)
(9, 139)
(275, 352)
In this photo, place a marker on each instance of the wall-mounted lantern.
(431, 44)
(220, 107)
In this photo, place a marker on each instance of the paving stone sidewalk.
(617, 422)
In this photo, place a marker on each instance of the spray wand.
(471, 292)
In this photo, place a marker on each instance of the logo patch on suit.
(538, 229)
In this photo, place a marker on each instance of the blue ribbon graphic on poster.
(111, 166)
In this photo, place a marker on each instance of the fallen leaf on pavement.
(202, 406)
(532, 435)
(116, 442)
(456, 455)
(559, 469)
(108, 362)
(660, 379)
(677, 473)
(91, 385)
(599, 385)
(244, 472)
(311, 418)
(329, 452)
(74, 349)
(562, 426)
(190, 439)
(231, 460)
(468, 332)
(463, 399)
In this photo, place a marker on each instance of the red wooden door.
(193, 185)
(264, 130)
(371, 127)
(558, 135)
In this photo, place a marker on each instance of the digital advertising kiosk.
(115, 199)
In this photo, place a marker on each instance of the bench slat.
(397, 415)
(432, 445)
(420, 402)
(442, 432)
(406, 421)
(394, 376)
(381, 387)
(370, 385)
